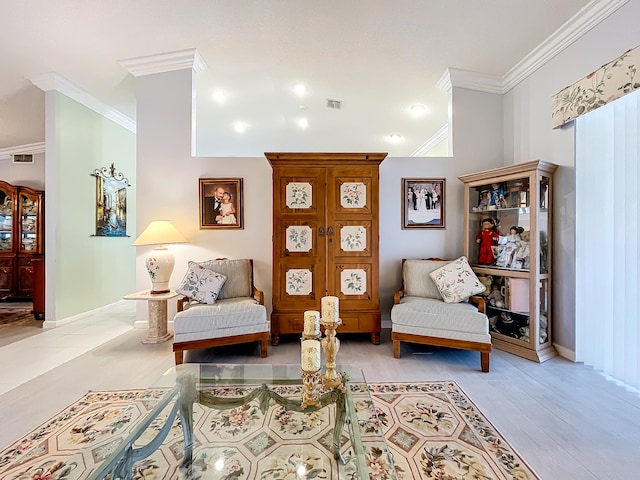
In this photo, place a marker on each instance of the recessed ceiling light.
(219, 465)
(417, 109)
(219, 96)
(300, 89)
(240, 127)
(301, 471)
(394, 137)
(303, 122)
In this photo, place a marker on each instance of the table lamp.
(160, 260)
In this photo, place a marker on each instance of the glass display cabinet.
(507, 239)
(21, 239)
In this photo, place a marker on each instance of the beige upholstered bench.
(420, 315)
(237, 316)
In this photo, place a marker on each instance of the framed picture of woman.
(221, 203)
(423, 203)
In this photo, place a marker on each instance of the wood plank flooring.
(565, 419)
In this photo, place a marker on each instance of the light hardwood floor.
(566, 420)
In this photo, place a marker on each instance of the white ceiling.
(377, 56)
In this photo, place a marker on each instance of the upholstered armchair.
(220, 306)
(421, 315)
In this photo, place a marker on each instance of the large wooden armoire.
(325, 239)
(21, 239)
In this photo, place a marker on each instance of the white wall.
(24, 174)
(529, 136)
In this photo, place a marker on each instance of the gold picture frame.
(221, 203)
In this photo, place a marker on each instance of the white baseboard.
(79, 316)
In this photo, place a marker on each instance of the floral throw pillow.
(201, 284)
(456, 281)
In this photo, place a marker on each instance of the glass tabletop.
(246, 421)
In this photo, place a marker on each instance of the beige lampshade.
(160, 232)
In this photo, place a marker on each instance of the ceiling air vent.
(335, 104)
(23, 158)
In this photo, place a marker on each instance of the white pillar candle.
(330, 310)
(311, 323)
(310, 355)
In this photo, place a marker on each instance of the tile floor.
(59, 345)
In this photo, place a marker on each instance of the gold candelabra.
(311, 343)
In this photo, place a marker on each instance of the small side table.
(157, 314)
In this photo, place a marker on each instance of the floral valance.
(610, 82)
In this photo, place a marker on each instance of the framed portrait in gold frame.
(221, 203)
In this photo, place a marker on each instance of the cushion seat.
(415, 313)
(231, 316)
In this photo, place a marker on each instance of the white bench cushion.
(435, 318)
(229, 317)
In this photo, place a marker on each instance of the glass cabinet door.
(500, 225)
(6, 220)
(28, 223)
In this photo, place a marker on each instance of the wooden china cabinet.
(21, 239)
(325, 239)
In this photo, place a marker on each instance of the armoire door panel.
(300, 191)
(301, 284)
(353, 284)
(353, 238)
(301, 239)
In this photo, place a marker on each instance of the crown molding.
(52, 81)
(165, 62)
(441, 135)
(30, 148)
(482, 82)
(588, 17)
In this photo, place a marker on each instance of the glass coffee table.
(224, 421)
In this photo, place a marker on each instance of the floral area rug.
(432, 431)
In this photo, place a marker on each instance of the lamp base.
(155, 292)
(160, 263)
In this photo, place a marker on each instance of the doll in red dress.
(487, 238)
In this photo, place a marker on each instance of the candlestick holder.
(310, 371)
(330, 346)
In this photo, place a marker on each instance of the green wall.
(90, 271)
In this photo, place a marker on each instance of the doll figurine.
(507, 257)
(495, 297)
(487, 238)
(496, 196)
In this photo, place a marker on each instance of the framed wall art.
(423, 203)
(111, 202)
(221, 203)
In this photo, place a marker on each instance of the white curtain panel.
(607, 274)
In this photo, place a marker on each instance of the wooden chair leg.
(179, 354)
(396, 349)
(484, 361)
(263, 347)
